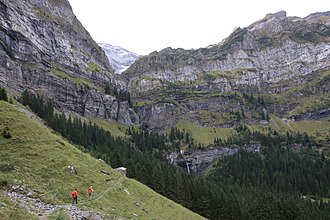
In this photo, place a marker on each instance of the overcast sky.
(144, 26)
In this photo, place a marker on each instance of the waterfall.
(188, 169)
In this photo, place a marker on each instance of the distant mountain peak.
(119, 58)
(278, 14)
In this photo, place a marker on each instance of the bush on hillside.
(3, 94)
(3, 184)
(5, 133)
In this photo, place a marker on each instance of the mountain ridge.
(269, 57)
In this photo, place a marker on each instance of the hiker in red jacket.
(90, 192)
(74, 196)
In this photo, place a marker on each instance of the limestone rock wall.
(44, 48)
(268, 57)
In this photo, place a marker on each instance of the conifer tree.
(3, 94)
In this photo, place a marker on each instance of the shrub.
(3, 94)
(5, 133)
(3, 183)
(6, 167)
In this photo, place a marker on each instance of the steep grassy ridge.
(37, 158)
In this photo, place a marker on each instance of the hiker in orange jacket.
(74, 195)
(90, 192)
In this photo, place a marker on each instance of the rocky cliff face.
(197, 161)
(44, 48)
(271, 56)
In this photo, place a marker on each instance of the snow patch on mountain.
(119, 58)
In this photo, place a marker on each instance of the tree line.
(121, 95)
(3, 94)
(156, 142)
(288, 163)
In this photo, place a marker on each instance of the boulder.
(72, 169)
(121, 170)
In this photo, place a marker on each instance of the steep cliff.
(45, 48)
(272, 59)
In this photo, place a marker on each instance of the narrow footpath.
(43, 210)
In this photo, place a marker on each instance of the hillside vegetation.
(320, 129)
(36, 159)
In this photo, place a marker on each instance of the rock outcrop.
(197, 161)
(44, 48)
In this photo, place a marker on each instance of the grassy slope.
(205, 135)
(114, 127)
(38, 158)
(316, 128)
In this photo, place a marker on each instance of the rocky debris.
(121, 170)
(126, 190)
(196, 161)
(101, 160)
(17, 187)
(40, 208)
(141, 207)
(21, 188)
(72, 169)
(104, 172)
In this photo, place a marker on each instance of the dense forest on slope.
(289, 163)
(241, 195)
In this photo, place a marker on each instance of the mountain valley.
(237, 130)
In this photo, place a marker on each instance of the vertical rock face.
(43, 47)
(268, 57)
(197, 161)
